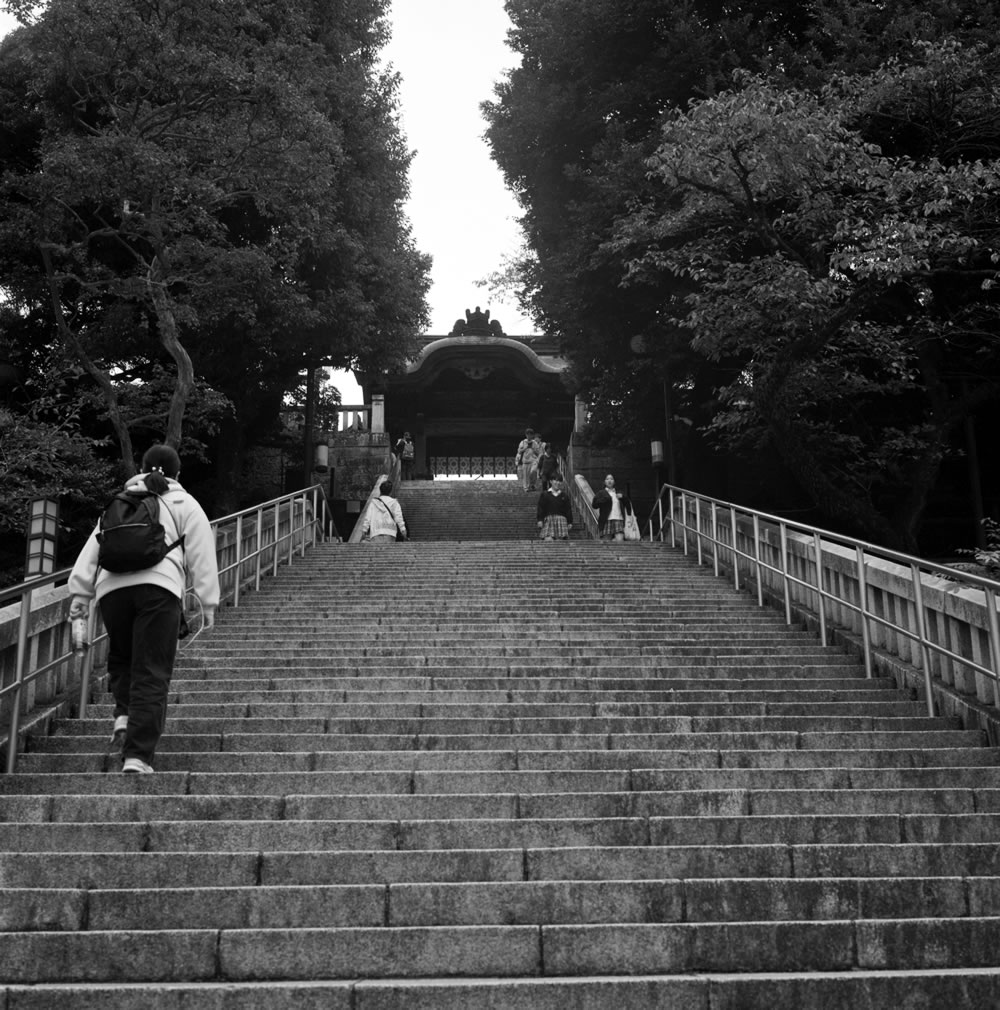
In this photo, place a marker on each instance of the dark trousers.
(142, 623)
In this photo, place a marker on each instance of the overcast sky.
(450, 53)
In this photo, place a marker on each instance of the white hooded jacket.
(192, 563)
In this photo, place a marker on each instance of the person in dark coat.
(555, 513)
(611, 506)
(548, 465)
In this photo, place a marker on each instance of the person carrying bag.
(383, 522)
(138, 572)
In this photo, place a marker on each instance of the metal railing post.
(697, 529)
(785, 583)
(994, 632)
(756, 557)
(22, 650)
(302, 525)
(866, 635)
(277, 539)
(925, 652)
(659, 512)
(239, 560)
(820, 598)
(684, 521)
(715, 539)
(87, 665)
(736, 556)
(673, 525)
(259, 548)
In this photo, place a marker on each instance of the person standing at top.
(383, 517)
(555, 513)
(526, 460)
(610, 506)
(548, 465)
(404, 450)
(142, 609)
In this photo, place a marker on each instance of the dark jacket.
(602, 502)
(550, 504)
(548, 464)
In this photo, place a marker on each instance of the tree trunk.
(167, 329)
(99, 376)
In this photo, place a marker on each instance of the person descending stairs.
(481, 510)
(490, 774)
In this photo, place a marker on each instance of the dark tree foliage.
(858, 394)
(204, 199)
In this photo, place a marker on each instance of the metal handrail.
(309, 519)
(581, 495)
(708, 524)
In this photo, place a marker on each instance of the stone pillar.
(378, 413)
(579, 414)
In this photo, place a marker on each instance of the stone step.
(632, 781)
(214, 693)
(575, 807)
(150, 870)
(955, 989)
(617, 669)
(295, 736)
(446, 637)
(580, 726)
(239, 822)
(193, 753)
(438, 709)
(766, 682)
(500, 951)
(490, 657)
(498, 903)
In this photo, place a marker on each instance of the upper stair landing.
(477, 510)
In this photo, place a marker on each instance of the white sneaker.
(137, 765)
(118, 733)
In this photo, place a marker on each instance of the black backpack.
(131, 536)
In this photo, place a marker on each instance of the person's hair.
(159, 463)
(529, 431)
(385, 487)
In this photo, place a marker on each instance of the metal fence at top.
(37, 661)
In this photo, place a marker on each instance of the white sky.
(450, 53)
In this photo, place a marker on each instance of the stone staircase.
(470, 510)
(498, 776)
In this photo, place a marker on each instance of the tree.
(573, 128)
(44, 453)
(855, 289)
(196, 194)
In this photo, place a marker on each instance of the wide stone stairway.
(507, 775)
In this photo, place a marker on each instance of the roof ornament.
(477, 324)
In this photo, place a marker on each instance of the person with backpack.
(405, 452)
(152, 540)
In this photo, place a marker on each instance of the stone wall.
(358, 458)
